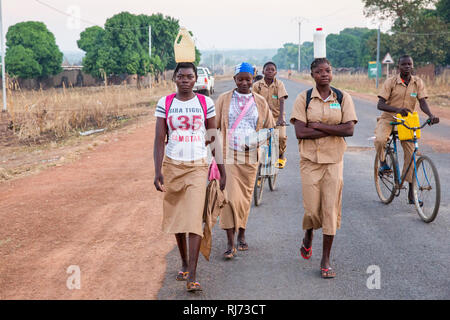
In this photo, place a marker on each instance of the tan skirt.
(322, 194)
(184, 199)
(240, 184)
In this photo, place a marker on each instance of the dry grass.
(438, 89)
(58, 113)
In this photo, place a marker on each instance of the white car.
(205, 81)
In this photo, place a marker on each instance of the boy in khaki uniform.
(275, 93)
(321, 127)
(399, 94)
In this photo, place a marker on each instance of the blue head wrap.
(244, 67)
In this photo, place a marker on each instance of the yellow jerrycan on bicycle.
(184, 47)
(411, 120)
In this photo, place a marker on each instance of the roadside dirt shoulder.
(100, 213)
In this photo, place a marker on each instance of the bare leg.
(194, 249)
(307, 243)
(182, 247)
(307, 240)
(327, 244)
(230, 236)
(241, 235)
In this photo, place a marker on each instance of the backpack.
(201, 99)
(338, 92)
(169, 99)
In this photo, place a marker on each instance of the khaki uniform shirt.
(327, 149)
(271, 93)
(398, 95)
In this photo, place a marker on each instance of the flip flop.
(308, 251)
(193, 286)
(182, 276)
(327, 273)
(229, 254)
(280, 163)
(243, 246)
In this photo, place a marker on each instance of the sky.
(216, 24)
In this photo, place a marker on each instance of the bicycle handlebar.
(402, 122)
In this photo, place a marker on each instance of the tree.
(288, 55)
(400, 10)
(443, 10)
(32, 51)
(343, 50)
(121, 47)
(96, 58)
(417, 30)
(21, 63)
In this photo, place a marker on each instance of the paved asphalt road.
(412, 256)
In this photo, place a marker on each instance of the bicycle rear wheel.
(385, 183)
(259, 186)
(427, 189)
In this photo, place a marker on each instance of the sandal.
(243, 246)
(182, 276)
(229, 254)
(280, 163)
(307, 250)
(327, 273)
(193, 286)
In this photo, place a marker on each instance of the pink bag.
(214, 171)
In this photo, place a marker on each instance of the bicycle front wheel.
(385, 183)
(259, 186)
(272, 181)
(427, 189)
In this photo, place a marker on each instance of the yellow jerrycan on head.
(184, 47)
(411, 120)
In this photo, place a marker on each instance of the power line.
(422, 34)
(87, 21)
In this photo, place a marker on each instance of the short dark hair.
(318, 61)
(405, 56)
(185, 65)
(268, 63)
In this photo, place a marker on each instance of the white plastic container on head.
(320, 46)
(184, 47)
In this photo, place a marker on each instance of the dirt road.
(100, 213)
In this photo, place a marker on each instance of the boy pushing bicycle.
(399, 94)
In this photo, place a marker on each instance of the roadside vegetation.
(59, 113)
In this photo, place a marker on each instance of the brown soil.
(100, 213)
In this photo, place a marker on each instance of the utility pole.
(299, 20)
(378, 52)
(212, 71)
(299, 44)
(3, 59)
(150, 48)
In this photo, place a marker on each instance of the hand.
(159, 183)
(314, 125)
(223, 181)
(281, 122)
(433, 120)
(404, 111)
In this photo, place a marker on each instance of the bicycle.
(426, 184)
(266, 168)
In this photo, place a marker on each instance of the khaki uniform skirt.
(322, 194)
(241, 177)
(184, 199)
